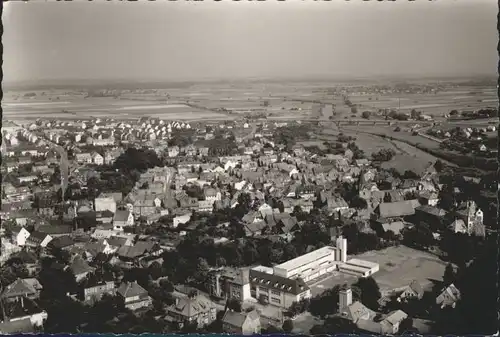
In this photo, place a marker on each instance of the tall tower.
(345, 298)
(342, 249)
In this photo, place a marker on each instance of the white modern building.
(324, 260)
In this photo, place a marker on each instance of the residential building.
(193, 308)
(134, 296)
(413, 291)
(22, 288)
(123, 218)
(93, 293)
(241, 323)
(449, 297)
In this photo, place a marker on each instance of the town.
(153, 225)
(249, 168)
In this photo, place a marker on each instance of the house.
(206, 205)
(390, 324)
(469, 219)
(429, 198)
(448, 297)
(413, 291)
(140, 249)
(19, 326)
(133, 295)
(482, 148)
(194, 308)
(83, 158)
(22, 288)
(20, 236)
(97, 159)
(103, 203)
(212, 194)
(123, 218)
(388, 210)
(241, 323)
(24, 309)
(336, 204)
(181, 219)
(38, 239)
(80, 268)
(362, 162)
(55, 230)
(29, 259)
(93, 291)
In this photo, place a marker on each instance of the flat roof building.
(314, 264)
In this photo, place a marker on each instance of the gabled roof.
(79, 266)
(291, 286)
(236, 319)
(55, 229)
(18, 326)
(358, 311)
(435, 211)
(395, 209)
(121, 215)
(416, 287)
(61, 242)
(21, 287)
(131, 289)
(26, 256)
(192, 306)
(395, 317)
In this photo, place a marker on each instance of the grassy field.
(400, 265)
(370, 143)
(400, 135)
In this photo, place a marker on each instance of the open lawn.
(400, 265)
(369, 143)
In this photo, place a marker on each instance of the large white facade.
(314, 264)
(324, 260)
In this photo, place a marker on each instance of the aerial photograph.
(298, 167)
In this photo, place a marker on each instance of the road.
(252, 133)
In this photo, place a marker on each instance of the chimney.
(345, 298)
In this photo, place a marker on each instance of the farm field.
(237, 97)
(103, 107)
(431, 104)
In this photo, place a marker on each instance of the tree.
(233, 304)
(354, 110)
(365, 115)
(288, 326)
(415, 114)
(449, 274)
(410, 175)
(438, 165)
(370, 292)
(358, 202)
(383, 155)
(406, 325)
(202, 269)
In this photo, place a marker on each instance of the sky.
(149, 41)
